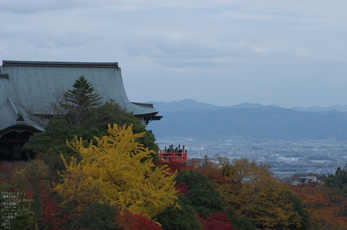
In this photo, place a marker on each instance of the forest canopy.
(81, 113)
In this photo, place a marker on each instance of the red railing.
(167, 156)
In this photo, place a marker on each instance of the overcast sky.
(225, 52)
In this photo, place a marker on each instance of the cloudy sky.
(225, 52)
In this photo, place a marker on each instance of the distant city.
(285, 157)
(293, 141)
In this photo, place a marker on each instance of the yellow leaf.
(113, 170)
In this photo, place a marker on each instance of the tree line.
(96, 167)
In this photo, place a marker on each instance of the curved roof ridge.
(7, 63)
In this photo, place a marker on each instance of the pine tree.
(78, 102)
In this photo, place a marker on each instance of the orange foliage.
(253, 191)
(214, 174)
(210, 169)
(179, 166)
(327, 209)
(130, 221)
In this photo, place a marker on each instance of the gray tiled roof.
(9, 115)
(34, 86)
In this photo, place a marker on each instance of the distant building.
(28, 89)
(287, 159)
(306, 180)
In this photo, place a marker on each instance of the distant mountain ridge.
(194, 120)
(192, 104)
(315, 108)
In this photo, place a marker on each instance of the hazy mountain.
(316, 108)
(192, 104)
(183, 105)
(249, 121)
(246, 106)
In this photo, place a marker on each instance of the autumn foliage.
(327, 208)
(115, 185)
(6, 172)
(216, 221)
(254, 192)
(130, 221)
(120, 171)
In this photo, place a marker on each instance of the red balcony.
(173, 156)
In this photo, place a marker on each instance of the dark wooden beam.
(12, 140)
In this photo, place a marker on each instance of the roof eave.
(10, 63)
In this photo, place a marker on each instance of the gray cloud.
(35, 6)
(218, 51)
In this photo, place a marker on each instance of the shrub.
(184, 218)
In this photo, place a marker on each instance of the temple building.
(28, 89)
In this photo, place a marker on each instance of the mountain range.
(192, 119)
(192, 104)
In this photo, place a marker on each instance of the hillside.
(250, 121)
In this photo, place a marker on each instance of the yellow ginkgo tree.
(120, 171)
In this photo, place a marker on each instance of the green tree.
(202, 195)
(97, 216)
(52, 141)
(183, 219)
(112, 113)
(82, 115)
(77, 102)
(299, 207)
(339, 180)
(240, 222)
